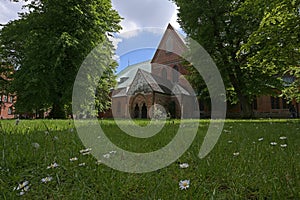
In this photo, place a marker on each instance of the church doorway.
(136, 111)
(144, 111)
(138, 107)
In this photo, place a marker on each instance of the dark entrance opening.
(136, 111)
(144, 111)
(172, 109)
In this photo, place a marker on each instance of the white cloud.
(139, 14)
(9, 10)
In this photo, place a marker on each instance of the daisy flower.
(53, 165)
(81, 164)
(113, 152)
(283, 145)
(273, 143)
(260, 139)
(184, 184)
(73, 159)
(283, 138)
(23, 187)
(85, 150)
(236, 153)
(183, 165)
(106, 155)
(86, 153)
(46, 179)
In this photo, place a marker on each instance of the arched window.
(175, 73)
(164, 73)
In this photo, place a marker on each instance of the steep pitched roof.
(147, 82)
(176, 39)
(130, 71)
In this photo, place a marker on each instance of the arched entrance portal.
(139, 107)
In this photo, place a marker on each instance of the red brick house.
(160, 81)
(7, 106)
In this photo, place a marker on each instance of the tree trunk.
(246, 108)
(57, 111)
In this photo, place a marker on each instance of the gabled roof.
(130, 72)
(176, 38)
(147, 82)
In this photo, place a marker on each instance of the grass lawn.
(253, 159)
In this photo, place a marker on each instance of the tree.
(48, 45)
(223, 27)
(276, 43)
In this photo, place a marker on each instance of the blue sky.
(143, 24)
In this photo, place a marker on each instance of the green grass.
(260, 171)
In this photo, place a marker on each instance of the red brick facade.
(6, 106)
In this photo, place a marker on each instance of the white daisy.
(86, 153)
(183, 165)
(22, 185)
(73, 159)
(113, 152)
(273, 143)
(85, 150)
(46, 179)
(283, 145)
(184, 184)
(236, 153)
(106, 155)
(260, 139)
(283, 138)
(53, 165)
(81, 164)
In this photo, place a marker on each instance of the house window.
(9, 111)
(4, 98)
(275, 103)
(10, 99)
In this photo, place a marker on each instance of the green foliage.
(274, 45)
(49, 44)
